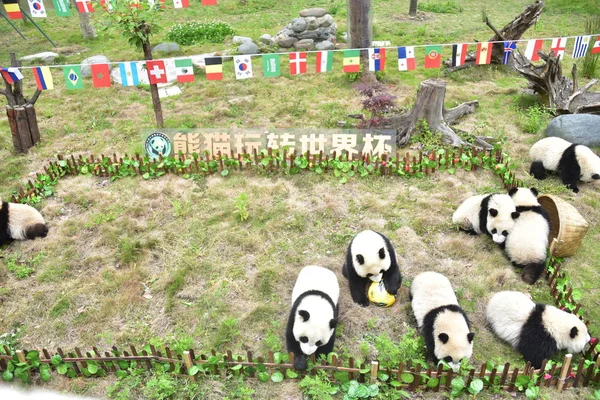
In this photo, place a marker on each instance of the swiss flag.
(157, 72)
(297, 63)
(100, 75)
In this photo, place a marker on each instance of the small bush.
(534, 118)
(195, 32)
(440, 7)
(591, 62)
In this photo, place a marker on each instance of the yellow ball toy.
(379, 296)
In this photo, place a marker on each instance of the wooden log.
(16, 140)
(188, 362)
(23, 128)
(563, 372)
(579, 372)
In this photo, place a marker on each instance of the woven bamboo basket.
(566, 225)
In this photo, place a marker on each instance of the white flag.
(37, 8)
(243, 67)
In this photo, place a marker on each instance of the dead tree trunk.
(360, 29)
(87, 29)
(429, 107)
(153, 87)
(21, 113)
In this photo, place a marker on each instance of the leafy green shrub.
(440, 7)
(533, 118)
(591, 62)
(199, 32)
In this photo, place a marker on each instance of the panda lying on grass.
(20, 222)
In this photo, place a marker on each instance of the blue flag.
(509, 47)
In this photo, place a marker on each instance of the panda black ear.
(512, 191)
(515, 215)
(596, 176)
(443, 337)
(360, 258)
(304, 314)
(470, 336)
(534, 191)
(574, 332)
(493, 212)
(382, 253)
(333, 323)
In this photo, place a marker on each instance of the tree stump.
(21, 113)
(429, 107)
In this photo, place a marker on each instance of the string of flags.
(63, 9)
(131, 72)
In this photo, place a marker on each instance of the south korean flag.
(243, 67)
(37, 8)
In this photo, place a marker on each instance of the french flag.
(406, 58)
(376, 59)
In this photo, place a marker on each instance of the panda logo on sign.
(157, 145)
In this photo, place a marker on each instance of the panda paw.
(363, 302)
(575, 190)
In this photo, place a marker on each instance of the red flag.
(209, 2)
(596, 48)
(433, 56)
(484, 53)
(297, 63)
(157, 72)
(100, 75)
(84, 6)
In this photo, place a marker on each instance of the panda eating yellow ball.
(379, 296)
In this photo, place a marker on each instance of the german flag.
(214, 68)
(351, 61)
(12, 9)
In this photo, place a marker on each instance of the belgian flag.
(214, 68)
(12, 9)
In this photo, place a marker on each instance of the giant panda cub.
(314, 315)
(20, 222)
(527, 244)
(536, 330)
(573, 162)
(370, 258)
(443, 324)
(494, 214)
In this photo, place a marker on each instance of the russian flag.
(376, 59)
(11, 75)
(406, 58)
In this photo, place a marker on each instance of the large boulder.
(85, 64)
(166, 47)
(248, 48)
(313, 12)
(304, 44)
(46, 57)
(266, 39)
(241, 39)
(298, 24)
(576, 128)
(325, 45)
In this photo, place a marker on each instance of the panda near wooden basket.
(567, 226)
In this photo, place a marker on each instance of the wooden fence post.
(374, 368)
(563, 372)
(188, 363)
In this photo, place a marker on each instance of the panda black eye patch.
(505, 233)
(382, 253)
(304, 339)
(448, 358)
(360, 258)
(494, 230)
(319, 343)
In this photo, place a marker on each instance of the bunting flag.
(297, 63)
(596, 48)
(484, 53)
(37, 9)
(184, 69)
(134, 4)
(351, 61)
(214, 68)
(62, 8)
(459, 52)
(406, 58)
(181, 3)
(84, 6)
(581, 46)
(558, 46)
(433, 56)
(531, 51)
(243, 67)
(11, 74)
(100, 75)
(376, 59)
(13, 11)
(129, 73)
(157, 72)
(43, 78)
(209, 2)
(108, 5)
(509, 48)
(324, 61)
(72, 74)
(271, 64)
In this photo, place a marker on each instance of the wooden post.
(374, 368)
(563, 372)
(188, 363)
(360, 32)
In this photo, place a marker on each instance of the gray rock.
(286, 41)
(311, 23)
(314, 35)
(248, 48)
(266, 39)
(324, 34)
(313, 12)
(199, 60)
(46, 57)
(325, 20)
(304, 44)
(166, 47)
(287, 32)
(241, 39)
(576, 128)
(298, 24)
(85, 64)
(325, 45)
